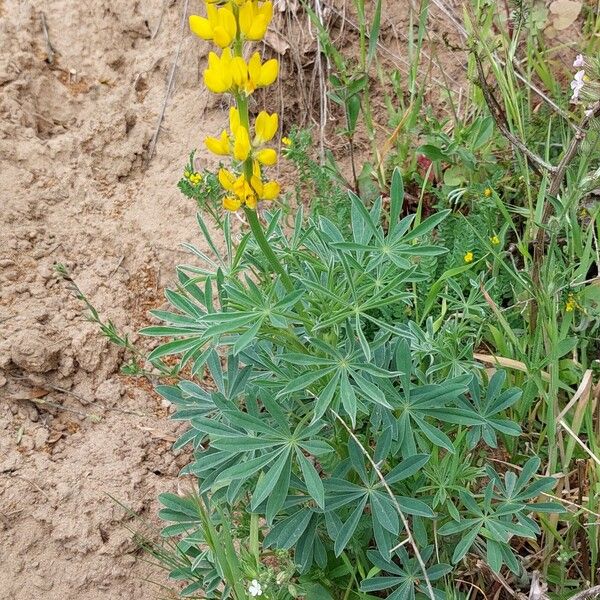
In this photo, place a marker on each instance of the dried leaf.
(276, 41)
(564, 13)
(538, 588)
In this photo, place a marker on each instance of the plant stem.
(261, 240)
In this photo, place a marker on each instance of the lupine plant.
(317, 447)
(333, 460)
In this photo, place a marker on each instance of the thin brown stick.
(586, 594)
(583, 546)
(161, 116)
(556, 182)
(500, 120)
(405, 522)
(49, 48)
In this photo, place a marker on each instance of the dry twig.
(154, 139)
(500, 120)
(49, 48)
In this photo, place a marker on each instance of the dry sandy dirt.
(76, 187)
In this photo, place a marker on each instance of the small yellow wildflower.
(468, 257)
(286, 141)
(571, 303)
(488, 192)
(195, 178)
(495, 240)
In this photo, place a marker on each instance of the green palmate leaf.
(268, 480)
(175, 347)
(464, 545)
(248, 468)
(313, 482)
(349, 527)
(288, 531)
(278, 495)
(241, 444)
(303, 381)
(250, 423)
(435, 435)
(407, 468)
(184, 304)
(375, 584)
(325, 398)
(348, 397)
(385, 512)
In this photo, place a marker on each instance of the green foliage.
(358, 439)
(203, 187)
(303, 367)
(319, 183)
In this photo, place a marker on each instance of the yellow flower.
(268, 156)
(231, 203)
(195, 178)
(468, 257)
(260, 74)
(488, 192)
(286, 141)
(218, 76)
(571, 303)
(242, 146)
(229, 73)
(265, 127)
(271, 190)
(234, 119)
(495, 240)
(220, 146)
(254, 19)
(219, 26)
(244, 192)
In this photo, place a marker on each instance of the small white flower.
(579, 61)
(589, 113)
(255, 589)
(577, 85)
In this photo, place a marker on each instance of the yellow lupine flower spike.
(219, 26)
(265, 127)
(255, 19)
(220, 146)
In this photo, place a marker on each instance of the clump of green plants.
(390, 394)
